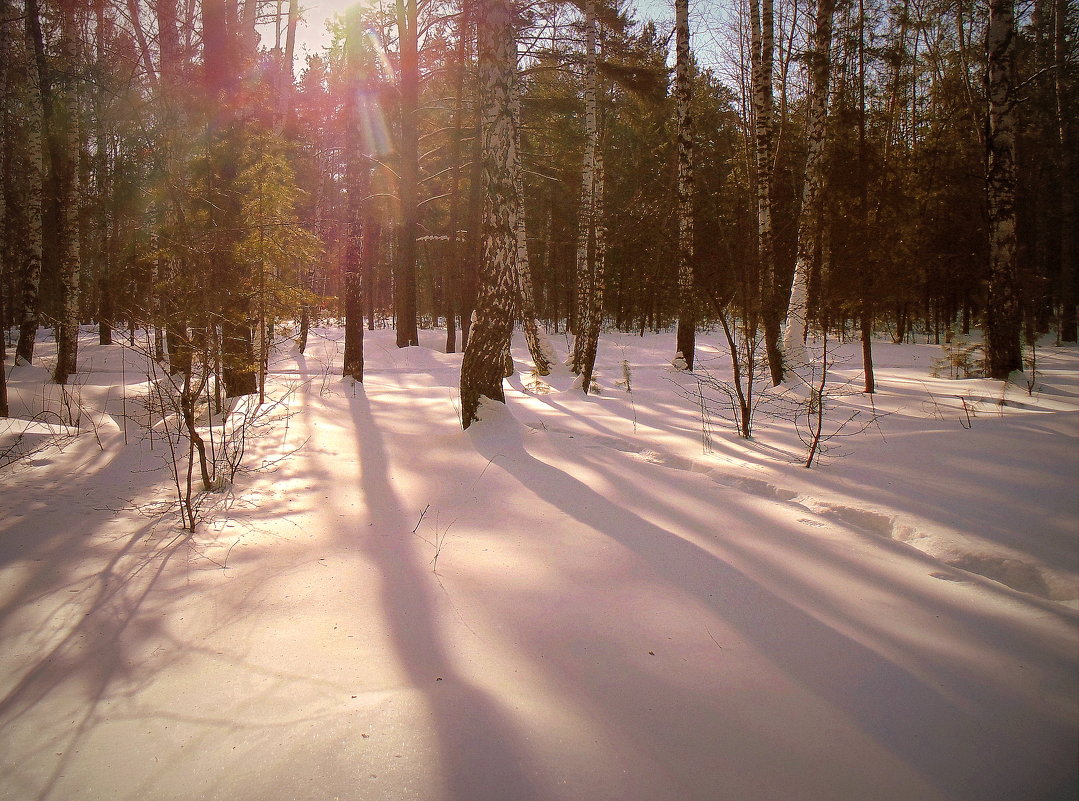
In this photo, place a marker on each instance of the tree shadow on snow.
(951, 745)
(481, 753)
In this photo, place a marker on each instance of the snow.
(574, 599)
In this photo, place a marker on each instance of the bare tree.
(794, 333)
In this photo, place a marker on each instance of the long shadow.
(481, 752)
(885, 700)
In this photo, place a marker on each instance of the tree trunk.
(685, 340)
(866, 277)
(482, 366)
(598, 279)
(588, 269)
(7, 52)
(809, 222)
(762, 33)
(1002, 340)
(451, 276)
(67, 182)
(404, 283)
(36, 95)
(356, 170)
(1065, 120)
(540, 350)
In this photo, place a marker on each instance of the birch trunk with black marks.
(794, 332)
(538, 347)
(598, 277)
(589, 264)
(685, 339)
(483, 364)
(1003, 316)
(762, 31)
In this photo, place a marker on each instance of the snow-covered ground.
(581, 597)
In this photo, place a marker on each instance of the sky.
(312, 32)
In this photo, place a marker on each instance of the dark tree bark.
(66, 168)
(482, 368)
(685, 339)
(1065, 140)
(38, 93)
(356, 170)
(453, 261)
(1003, 312)
(404, 283)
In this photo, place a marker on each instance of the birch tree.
(482, 368)
(590, 234)
(762, 32)
(1002, 341)
(794, 332)
(538, 348)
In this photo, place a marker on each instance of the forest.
(539, 401)
(905, 168)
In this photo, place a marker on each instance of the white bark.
(541, 351)
(589, 270)
(794, 332)
(763, 53)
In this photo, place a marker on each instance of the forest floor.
(580, 598)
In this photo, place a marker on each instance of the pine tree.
(686, 336)
(66, 166)
(1003, 314)
(32, 194)
(358, 91)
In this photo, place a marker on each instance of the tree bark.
(763, 46)
(685, 339)
(1002, 341)
(67, 182)
(483, 365)
(451, 276)
(404, 284)
(589, 265)
(809, 221)
(356, 171)
(1065, 141)
(37, 93)
(538, 347)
